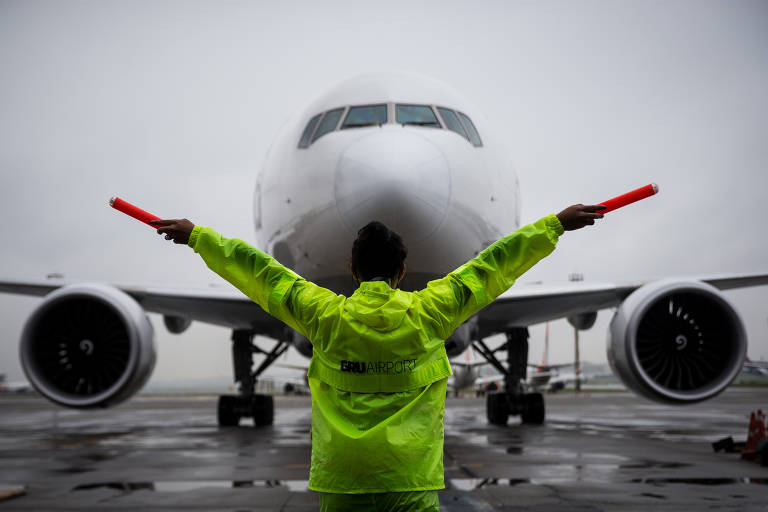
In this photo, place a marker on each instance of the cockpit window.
(377, 115)
(304, 142)
(421, 115)
(329, 123)
(452, 121)
(474, 137)
(365, 116)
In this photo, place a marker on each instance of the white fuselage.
(446, 197)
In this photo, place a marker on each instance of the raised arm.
(278, 290)
(456, 297)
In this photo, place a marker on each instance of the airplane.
(560, 381)
(756, 367)
(549, 378)
(466, 373)
(7, 386)
(411, 152)
(758, 370)
(550, 381)
(545, 373)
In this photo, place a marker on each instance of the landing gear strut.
(247, 403)
(513, 400)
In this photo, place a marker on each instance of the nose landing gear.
(512, 401)
(247, 403)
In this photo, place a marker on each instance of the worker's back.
(378, 378)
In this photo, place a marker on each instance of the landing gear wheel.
(227, 413)
(533, 409)
(497, 408)
(262, 410)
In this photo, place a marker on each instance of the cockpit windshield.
(367, 115)
(431, 116)
(304, 142)
(452, 121)
(421, 115)
(474, 137)
(329, 123)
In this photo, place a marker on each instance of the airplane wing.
(525, 305)
(226, 307)
(519, 306)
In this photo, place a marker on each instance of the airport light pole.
(575, 277)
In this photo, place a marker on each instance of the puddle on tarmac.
(470, 484)
(700, 481)
(188, 485)
(648, 464)
(652, 495)
(73, 470)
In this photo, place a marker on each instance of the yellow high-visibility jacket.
(379, 369)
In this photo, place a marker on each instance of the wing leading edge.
(518, 307)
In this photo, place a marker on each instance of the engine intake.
(677, 341)
(88, 345)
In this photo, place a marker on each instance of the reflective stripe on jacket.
(379, 369)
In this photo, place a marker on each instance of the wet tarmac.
(609, 451)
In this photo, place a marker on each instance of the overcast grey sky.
(173, 105)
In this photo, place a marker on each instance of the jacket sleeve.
(450, 301)
(277, 289)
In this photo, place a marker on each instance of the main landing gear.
(247, 403)
(512, 400)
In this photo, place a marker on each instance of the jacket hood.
(376, 305)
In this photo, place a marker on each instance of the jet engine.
(676, 341)
(88, 345)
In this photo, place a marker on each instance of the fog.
(173, 105)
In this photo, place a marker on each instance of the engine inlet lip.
(92, 291)
(711, 293)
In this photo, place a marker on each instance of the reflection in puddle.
(700, 481)
(470, 484)
(648, 464)
(188, 485)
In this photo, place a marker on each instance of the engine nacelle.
(676, 341)
(88, 345)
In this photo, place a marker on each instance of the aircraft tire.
(262, 410)
(533, 409)
(497, 408)
(226, 413)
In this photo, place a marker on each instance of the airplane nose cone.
(396, 177)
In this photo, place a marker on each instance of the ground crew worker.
(379, 369)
